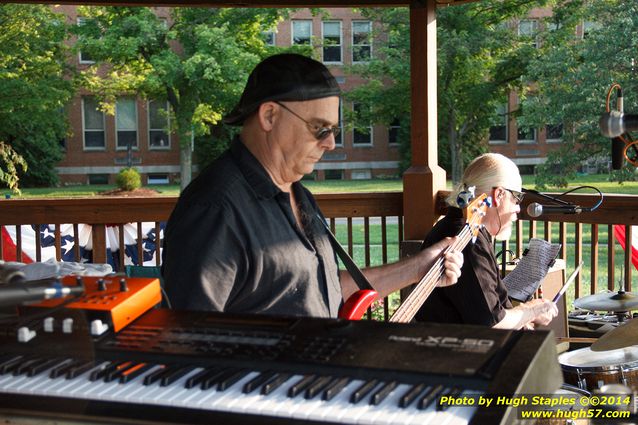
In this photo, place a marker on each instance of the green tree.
(198, 59)
(35, 85)
(572, 76)
(479, 61)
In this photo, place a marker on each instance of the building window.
(83, 56)
(339, 138)
(498, 130)
(126, 122)
(333, 174)
(98, 179)
(554, 133)
(301, 32)
(589, 27)
(526, 134)
(268, 37)
(393, 132)
(332, 42)
(529, 28)
(361, 135)
(158, 125)
(93, 123)
(361, 44)
(361, 174)
(158, 179)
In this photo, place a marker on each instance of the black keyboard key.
(11, 365)
(116, 373)
(411, 394)
(429, 396)
(24, 366)
(317, 387)
(101, 371)
(231, 379)
(7, 362)
(133, 372)
(79, 369)
(257, 381)
(174, 374)
(276, 382)
(299, 386)
(155, 376)
(200, 376)
(363, 390)
(213, 379)
(335, 388)
(382, 393)
(62, 368)
(42, 366)
(454, 392)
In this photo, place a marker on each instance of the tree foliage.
(199, 60)
(480, 60)
(11, 164)
(572, 76)
(35, 89)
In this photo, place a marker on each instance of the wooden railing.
(365, 222)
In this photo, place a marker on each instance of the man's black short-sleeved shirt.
(479, 297)
(232, 244)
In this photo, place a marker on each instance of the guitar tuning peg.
(464, 197)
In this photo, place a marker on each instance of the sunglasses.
(320, 133)
(516, 194)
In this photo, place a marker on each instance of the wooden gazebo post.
(424, 178)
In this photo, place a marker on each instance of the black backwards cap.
(283, 77)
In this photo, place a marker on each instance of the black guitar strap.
(356, 273)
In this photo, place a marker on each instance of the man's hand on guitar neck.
(392, 277)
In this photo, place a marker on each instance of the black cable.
(560, 201)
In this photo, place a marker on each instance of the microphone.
(615, 123)
(535, 209)
(18, 293)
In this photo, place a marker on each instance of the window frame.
(164, 130)
(292, 32)
(117, 129)
(323, 42)
(85, 130)
(353, 45)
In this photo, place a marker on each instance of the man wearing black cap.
(245, 235)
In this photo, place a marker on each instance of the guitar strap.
(356, 273)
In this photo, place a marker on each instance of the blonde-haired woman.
(480, 297)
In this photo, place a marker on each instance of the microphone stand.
(562, 202)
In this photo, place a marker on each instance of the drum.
(590, 370)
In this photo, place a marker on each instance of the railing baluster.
(140, 245)
(519, 239)
(532, 228)
(19, 243)
(158, 244)
(350, 241)
(58, 242)
(2, 230)
(578, 255)
(548, 231)
(38, 243)
(98, 235)
(76, 242)
(611, 254)
(562, 230)
(122, 243)
(366, 239)
(594, 258)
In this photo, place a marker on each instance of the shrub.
(128, 179)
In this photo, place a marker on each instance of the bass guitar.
(358, 303)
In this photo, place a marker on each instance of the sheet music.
(525, 279)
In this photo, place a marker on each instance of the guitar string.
(408, 308)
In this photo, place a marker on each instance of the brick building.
(99, 144)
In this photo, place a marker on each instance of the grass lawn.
(601, 181)
(339, 186)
